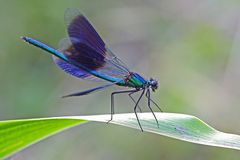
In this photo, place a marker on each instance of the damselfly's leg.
(130, 95)
(112, 100)
(135, 109)
(149, 105)
(153, 102)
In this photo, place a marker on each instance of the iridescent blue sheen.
(45, 47)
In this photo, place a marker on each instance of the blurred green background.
(192, 47)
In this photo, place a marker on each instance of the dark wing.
(88, 49)
(65, 48)
(79, 28)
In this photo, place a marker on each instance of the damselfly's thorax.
(136, 81)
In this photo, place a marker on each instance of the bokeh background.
(192, 47)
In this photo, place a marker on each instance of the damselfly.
(84, 55)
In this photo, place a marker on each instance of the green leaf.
(18, 134)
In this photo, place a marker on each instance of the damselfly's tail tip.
(24, 38)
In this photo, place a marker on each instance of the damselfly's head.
(153, 84)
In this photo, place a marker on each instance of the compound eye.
(154, 83)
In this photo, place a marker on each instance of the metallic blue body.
(45, 47)
(63, 57)
(134, 80)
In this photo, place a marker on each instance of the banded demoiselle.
(84, 55)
